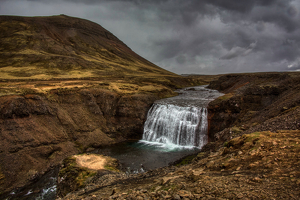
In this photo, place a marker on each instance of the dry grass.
(92, 161)
(28, 58)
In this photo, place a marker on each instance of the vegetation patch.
(2, 176)
(72, 176)
(222, 98)
(78, 170)
(225, 97)
(186, 160)
(253, 136)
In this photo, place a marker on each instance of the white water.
(180, 121)
(171, 124)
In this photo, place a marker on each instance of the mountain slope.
(66, 47)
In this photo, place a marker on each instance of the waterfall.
(173, 124)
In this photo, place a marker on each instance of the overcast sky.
(191, 36)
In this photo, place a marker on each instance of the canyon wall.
(39, 131)
(254, 102)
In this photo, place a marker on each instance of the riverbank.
(244, 162)
(266, 166)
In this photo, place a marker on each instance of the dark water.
(140, 156)
(197, 96)
(43, 189)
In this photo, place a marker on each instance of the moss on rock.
(78, 170)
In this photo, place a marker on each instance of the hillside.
(65, 47)
(38, 54)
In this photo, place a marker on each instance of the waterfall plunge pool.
(175, 127)
(141, 156)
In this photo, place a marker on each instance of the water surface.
(140, 156)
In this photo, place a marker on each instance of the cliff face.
(38, 132)
(254, 102)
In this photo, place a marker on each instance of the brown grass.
(92, 161)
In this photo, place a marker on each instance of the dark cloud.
(191, 36)
(239, 51)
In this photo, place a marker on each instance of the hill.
(38, 54)
(65, 47)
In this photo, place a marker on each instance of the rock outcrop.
(38, 132)
(76, 171)
(261, 101)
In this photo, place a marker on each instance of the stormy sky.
(191, 36)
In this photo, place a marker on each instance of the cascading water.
(171, 124)
(180, 120)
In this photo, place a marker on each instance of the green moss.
(52, 97)
(253, 136)
(74, 176)
(83, 176)
(236, 129)
(111, 168)
(80, 147)
(186, 160)
(69, 166)
(225, 97)
(225, 144)
(166, 188)
(222, 98)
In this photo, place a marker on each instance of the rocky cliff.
(37, 132)
(259, 101)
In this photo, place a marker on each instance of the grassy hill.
(65, 47)
(38, 54)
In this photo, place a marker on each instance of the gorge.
(253, 150)
(168, 134)
(68, 86)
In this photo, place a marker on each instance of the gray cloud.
(239, 51)
(191, 36)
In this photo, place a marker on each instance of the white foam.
(171, 125)
(166, 147)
